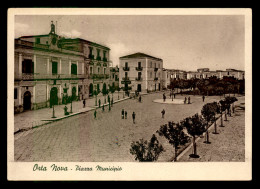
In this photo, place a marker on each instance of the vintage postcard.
(129, 94)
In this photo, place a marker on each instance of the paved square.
(108, 138)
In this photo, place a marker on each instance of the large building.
(50, 69)
(114, 76)
(140, 72)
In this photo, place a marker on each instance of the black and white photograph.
(105, 94)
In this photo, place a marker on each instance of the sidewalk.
(227, 146)
(29, 119)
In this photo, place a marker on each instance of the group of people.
(124, 115)
(185, 100)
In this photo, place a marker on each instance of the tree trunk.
(225, 115)
(194, 146)
(221, 119)
(215, 124)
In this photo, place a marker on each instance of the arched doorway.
(74, 93)
(27, 101)
(91, 89)
(54, 96)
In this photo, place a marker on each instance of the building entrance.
(27, 101)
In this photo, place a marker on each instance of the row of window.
(140, 73)
(28, 67)
(91, 70)
(140, 65)
(98, 57)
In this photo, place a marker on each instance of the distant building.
(205, 73)
(114, 76)
(140, 72)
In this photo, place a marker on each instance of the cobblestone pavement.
(31, 119)
(228, 145)
(108, 138)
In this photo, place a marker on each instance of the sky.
(185, 42)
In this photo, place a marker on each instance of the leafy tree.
(104, 91)
(208, 114)
(95, 94)
(214, 108)
(195, 126)
(146, 151)
(173, 132)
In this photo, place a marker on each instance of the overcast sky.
(183, 42)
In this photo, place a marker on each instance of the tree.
(104, 92)
(112, 89)
(146, 151)
(214, 108)
(195, 126)
(118, 89)
(173, 132)
(208, 114)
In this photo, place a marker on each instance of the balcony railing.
(126, 68)
(98, 76)
(98, 58)
(105, 59)
(155, 69)
(139, 79)
(139, 68)
(91, 56)
(33, 76)
(156, 78)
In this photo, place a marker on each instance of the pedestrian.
(133, 116)
(163, 112)
(84, 103)
(189, 100)
(185, 100)
(99, 103)
(203, 98)
(123, 113)
(108, 99)
(95, 114)
(174, 95)
(140, 98)
(103, 108)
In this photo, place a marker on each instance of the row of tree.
(179, 134)
(210, 86)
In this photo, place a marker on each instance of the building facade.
(140, 72)
(114, 76)
(51, 70)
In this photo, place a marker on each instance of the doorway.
(54, 96)
(139, 87)
(27, 101)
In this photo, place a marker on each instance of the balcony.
(139, 68)
(156, 79)
(126, 68)
(105, 59)
(155, 69)
(37, 76)
(104, 64)
(98, 64)
(98, 58)
(139, 79)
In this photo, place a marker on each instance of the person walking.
(163, 112)
(203, 98)
(84, 103)
(185, 99)
(189, 100)
(133, 116)
(103, 108)
(173, 95)
(140, 99)
(99, 103)
(95, 114)
(123, 113)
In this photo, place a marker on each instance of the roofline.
(93, 43)
(146, 56)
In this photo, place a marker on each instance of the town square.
(150, 91)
